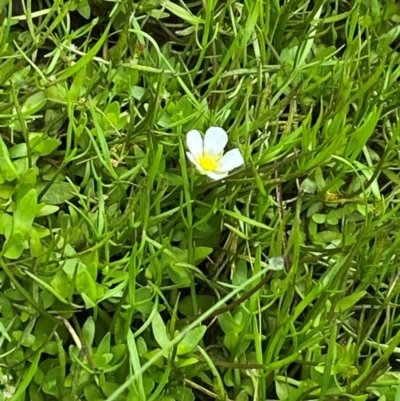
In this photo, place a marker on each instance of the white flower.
(8, 392)
(208, 154)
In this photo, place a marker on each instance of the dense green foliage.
(127, 275)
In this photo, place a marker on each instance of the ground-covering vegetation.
(127, 275)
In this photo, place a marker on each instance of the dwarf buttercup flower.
(208, 154)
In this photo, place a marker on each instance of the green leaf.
(28, 182)
(246, 220)
(347, 302)
(7, 168)
(144, 300)
(283, 390)
(46, 146)
(23, 218)
(200, 253)
(366, 396)
(361, 135)
(204, 302)
(77, 85)
(46, 210)
(47, 299)
(240, 273)
(58, 193)
(160, 331)
(308, 186)
(49, 288)
(332, 221)
(88, 331)
(5, 224)
(113, 108)
(389, 37)
(135, 364)
(84, 11)
(180, 275)
(4, 332)
(148, 385)
(35, 246)
(104, 346)
(57, 93)
(228, 323)
(25, 212)
(88, 302)
(86, 285)
(17, 151)
(6, 191)
(184, 107)
(242, 396)
(27, 378)
(319, 179)
(82, 62)
(34, 103)
(62, 285)
(231, 339)
(92, 392)
(125, 81)
(319, 218)
(329, 236)
(191, 339)
(180, 12)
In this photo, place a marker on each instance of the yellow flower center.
(208, 163)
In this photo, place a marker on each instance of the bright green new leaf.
(5, 224)
(104, 346)
(46, 146)
(27, 183)
(200, 253)
(191, 339)
(181, 12)
(7, 168)
(360, 136)
(347, 302)
(319, 218)
(46, 210)
(160, 331)
(35, 246)
(34, 104)
(25, 213)
(85, 284)
(23, 217)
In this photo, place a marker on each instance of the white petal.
(194, 142)
(194, 161)
(230, 161)
(215, 141)
(214, 175)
